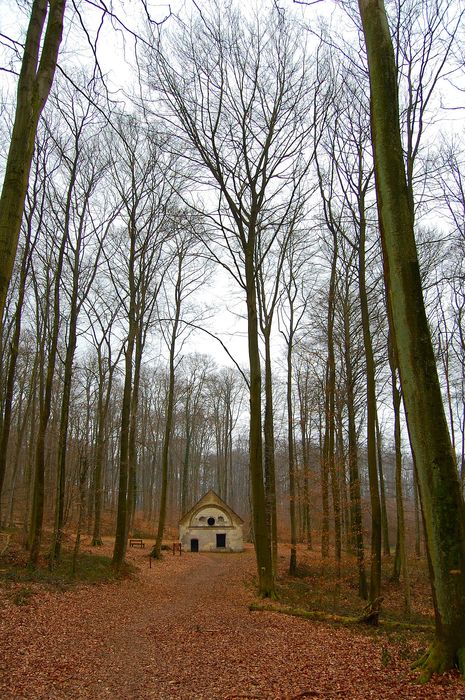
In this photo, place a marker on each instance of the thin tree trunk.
(119, 551)
(44, 415)
(374, 600)
(261, 534)
(382, 492)
(64, 424)
(269, 456)
(156, 551)
(82, 507)
(291, 450)
(303, 401)
(132, 448)
(400, 560)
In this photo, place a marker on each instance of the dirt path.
(183, 631)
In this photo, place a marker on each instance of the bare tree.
(145, 195)
(238, 91)
(84, 227)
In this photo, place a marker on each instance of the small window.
(220, 540)
(211, 521)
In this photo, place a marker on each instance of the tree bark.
(291, 453)
(34, 83)
(382, 492)
(373, 609)
(44, 414)
(400, 559)
(269, 450)
(356, 522)
(12, 361)
(261, 534)
(441, 500)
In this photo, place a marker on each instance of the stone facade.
(211, 526)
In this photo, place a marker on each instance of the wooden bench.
(136, 542)
(177, 547)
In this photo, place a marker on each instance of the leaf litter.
(182, 630)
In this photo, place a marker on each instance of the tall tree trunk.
(261, 534)
(303, 420)
(103, 402)
(269, 452)
(28, 480)
(132, 447)
(341, 476)
(98, 464)
(119, 550)
(291, 449)
(328, 457)
(34, 83)
(186, 461)
(156, 551)
(11, 371)
(64, 424)
(356, 521)
(374, 600)
(441, 500)
(44, 415)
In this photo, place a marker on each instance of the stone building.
(211, 526)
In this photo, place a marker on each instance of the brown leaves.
(182, 631)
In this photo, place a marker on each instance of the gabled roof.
(211, 498)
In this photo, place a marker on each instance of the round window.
(211, 521)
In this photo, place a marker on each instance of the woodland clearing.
(182, 629)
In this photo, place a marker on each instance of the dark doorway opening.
(194, 545)
(220, 540)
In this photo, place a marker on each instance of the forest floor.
(183, 630)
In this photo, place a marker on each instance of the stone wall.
(205, 525)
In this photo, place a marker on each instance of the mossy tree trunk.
(440, 496)
(34, 84)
